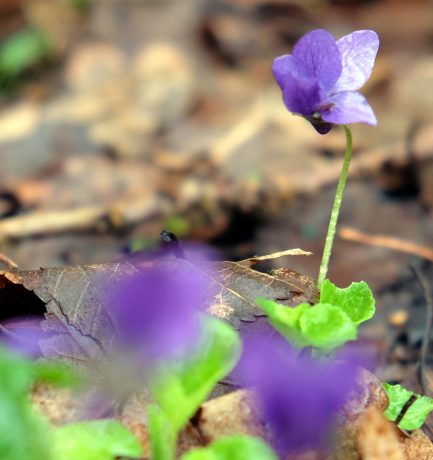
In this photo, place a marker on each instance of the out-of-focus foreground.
(121, 117)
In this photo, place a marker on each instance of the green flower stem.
(335, 209)
(162, 435)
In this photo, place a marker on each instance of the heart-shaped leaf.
(322, 326)
(286, 320)
(356, 300)
(326, 326)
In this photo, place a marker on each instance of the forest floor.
(159, 115)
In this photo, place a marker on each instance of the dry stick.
(428, 326)
(118, 215)
(385, 241)
(7, 262)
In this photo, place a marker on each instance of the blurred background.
(120, 118)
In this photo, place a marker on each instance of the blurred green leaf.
(56, 374)
(21, 51)
(356, 301)
(95, 440)
(233, 448)
(80, 4)
(24, 435)
(161, 433)
(286, 320)
(180, 387)
(141, 244)
(178, 225)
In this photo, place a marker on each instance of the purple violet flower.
(299, 397)
(156, 310)
(320, 78)
(23, 336)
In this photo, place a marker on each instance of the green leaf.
(80, 4)
(286, 320)
(24, 435)
(321, 326)
(233, 448)
(179, 388)
(161, 434)
(56, 374)
(177, 224)
(95, 440)
(22, 50)
(415, 414)
(398, 397)
(326, 326)
(356, 301)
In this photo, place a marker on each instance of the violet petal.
(358, 51)
(299, 396)
(301, 95)
(24, 336)
(349, 107)
(316, 55)
(281, 67)
(156, 310)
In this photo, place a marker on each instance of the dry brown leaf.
(370, 394)
(417, 446)
(239, 286)
(58, 405)
(84, 331)
(378, 438)
(234, 413)
(414, 446)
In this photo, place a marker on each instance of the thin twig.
(428, 325)
(7, 262)
(119, 215)
(384, 241)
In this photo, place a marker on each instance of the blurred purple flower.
(23, 336)
(320, 78)
(299, 396)
(156, 310)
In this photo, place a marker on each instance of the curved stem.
(335, 209)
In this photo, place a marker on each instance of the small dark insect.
(169, 241)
